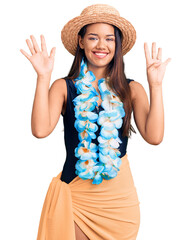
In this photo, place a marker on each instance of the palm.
(42, 63)
(155, 67)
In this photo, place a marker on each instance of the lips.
(100, 54)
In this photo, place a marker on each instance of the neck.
(99, 72)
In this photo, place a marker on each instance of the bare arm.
(150, 118)
(154, 128)
(47, 106)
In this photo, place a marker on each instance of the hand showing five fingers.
(155, 67)
(42, 63)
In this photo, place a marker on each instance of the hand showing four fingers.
(155, 67)
(42, 63)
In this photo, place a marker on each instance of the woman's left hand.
(155, 67)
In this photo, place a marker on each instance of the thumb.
(167, 61)
(52, 53)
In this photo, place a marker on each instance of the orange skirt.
(107, 211)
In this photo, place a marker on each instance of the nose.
(101, 44)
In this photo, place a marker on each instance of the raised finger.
(43, 44)
(30, 46)
(154, 50)
(167, 61)
(159, 55)
(52, 53)
(25, 54)
(147, 54)
(36, 47)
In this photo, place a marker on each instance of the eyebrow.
(108, 35)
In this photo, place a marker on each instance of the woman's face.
(98, 44)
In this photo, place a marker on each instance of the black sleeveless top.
(71, 134)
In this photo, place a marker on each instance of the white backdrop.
(161, 173)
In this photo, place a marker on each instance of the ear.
(81, 42)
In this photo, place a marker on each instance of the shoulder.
(59, 86)
(59, 82)
(137, 90)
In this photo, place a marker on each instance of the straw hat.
(94, 14)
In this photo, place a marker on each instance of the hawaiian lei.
(110, 119)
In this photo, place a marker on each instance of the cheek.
(112, 47)
(90, 45)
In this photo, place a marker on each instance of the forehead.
(100, 28)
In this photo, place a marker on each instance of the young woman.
(94, 197)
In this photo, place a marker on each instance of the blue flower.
(109, 134)
(82, 125)
(85, 115)
(86, 135)
(86, 152)
(109, 175)
(113, 142)
(83, 97)
(113, 153)
(87, 174)
(98, 169)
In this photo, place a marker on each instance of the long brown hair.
(117, 81)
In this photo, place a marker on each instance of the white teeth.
(101, 54)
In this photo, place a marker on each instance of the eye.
(110, 39)
(92, 38)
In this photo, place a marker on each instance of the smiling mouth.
(100, 54)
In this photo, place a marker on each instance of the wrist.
(44, 78)
(155, 86)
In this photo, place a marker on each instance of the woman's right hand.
(42, 63)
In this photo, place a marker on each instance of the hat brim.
(69, 33)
